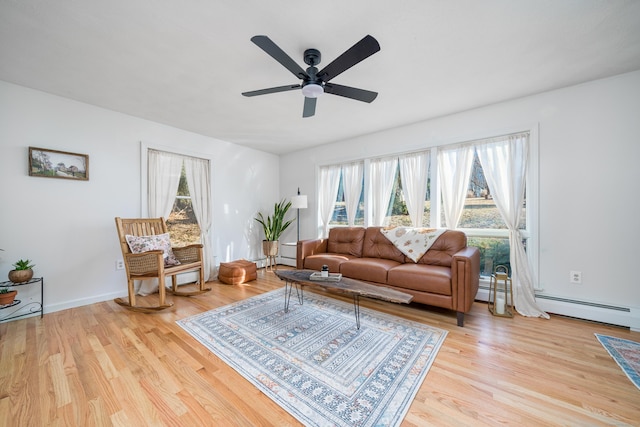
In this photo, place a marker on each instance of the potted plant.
(7, 296)
(22, 271)
(273, 226)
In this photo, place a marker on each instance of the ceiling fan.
(314, 82)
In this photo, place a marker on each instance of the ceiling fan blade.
(309, 107)
(356, 53)
(271, 90)
(266, 44)
(350, 92)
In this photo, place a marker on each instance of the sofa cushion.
(442, 251)
(368, 269)
(346, 240)
(315, 262)
(376, 245)
(421, 277)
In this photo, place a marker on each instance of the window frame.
(530, 233)
(144, 170)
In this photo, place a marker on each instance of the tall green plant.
(274, 225)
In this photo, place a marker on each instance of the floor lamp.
(299, 202)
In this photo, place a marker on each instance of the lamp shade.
(299, 202)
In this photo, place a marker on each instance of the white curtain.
(164, 177)
(198, 176)
(382, 173)
(454, 166)
(352, 186)
(328, 192)
(163, 180)
(414, 169)
(504, 162)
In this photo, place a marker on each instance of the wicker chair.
(150, 265)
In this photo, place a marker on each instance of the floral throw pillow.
(139, 244)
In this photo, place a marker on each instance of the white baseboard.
(635, 319)
(614, 315)
(52, 308)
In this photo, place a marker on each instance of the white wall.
(67, 227)
(589, 150)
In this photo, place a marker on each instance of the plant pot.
(8, 297)
(270, 247)
(20, 276)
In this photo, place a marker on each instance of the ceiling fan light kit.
(312, 90)
(314, 82)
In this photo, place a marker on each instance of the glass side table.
(22, 308)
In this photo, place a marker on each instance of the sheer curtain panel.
(352, 185)
(328, 192)
(414, 169)
(164, 177)
(381, 175)
(504, 161)
(454, 166)
(198, 176)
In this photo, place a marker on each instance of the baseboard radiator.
(587, 310)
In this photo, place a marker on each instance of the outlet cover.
(119, 264)
(575, 277)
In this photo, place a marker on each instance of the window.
(398, 212)
(339, 217)
(177, 186)
(182, 223)
(480, 210)
(480, 218)
(350, 196)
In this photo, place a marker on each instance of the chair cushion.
(140, 244)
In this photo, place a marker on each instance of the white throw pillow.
(140, 244)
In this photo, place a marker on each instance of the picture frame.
(48, 163)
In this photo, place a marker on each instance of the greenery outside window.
(339, 217)
(182, 224)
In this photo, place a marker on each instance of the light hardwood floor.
(104, 365)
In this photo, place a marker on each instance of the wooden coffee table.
(301, 278)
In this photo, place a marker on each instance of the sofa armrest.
(309, 247)
(465, 278)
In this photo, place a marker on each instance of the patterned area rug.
(626, 354)
(315, 363)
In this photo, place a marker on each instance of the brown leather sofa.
(446, 276)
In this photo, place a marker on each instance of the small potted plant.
(22, 271)
(7, 296)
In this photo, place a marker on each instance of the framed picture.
(58, 164)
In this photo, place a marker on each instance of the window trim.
(531, 233)
(144, 170)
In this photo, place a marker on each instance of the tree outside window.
(339, 217)
(182, 224)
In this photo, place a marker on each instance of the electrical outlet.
(575, 277)
(119, 264)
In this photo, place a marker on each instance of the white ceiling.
(185, 63)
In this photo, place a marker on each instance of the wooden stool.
(236, 272)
